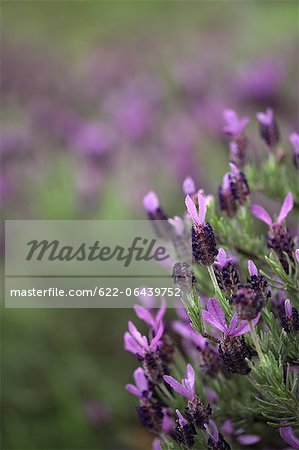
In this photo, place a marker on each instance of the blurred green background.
(64, 371)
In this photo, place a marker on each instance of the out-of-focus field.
(102, 101)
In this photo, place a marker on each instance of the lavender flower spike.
(216, 440)
(151, 202)
(204, 247)
(252, 269)
(184, 431)
(294, 138)
(288, 435)
(234, 126)
(135, 343)
(279, 238)
(290, 318)
(141, 388)
(268, 127)
(187, 387)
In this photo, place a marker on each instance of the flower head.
(135, 343)
(287, 206)
(200, 215)
(234, 126)
(187, 387)
(141, 388)
(178, 225)
(265, 118)
(294, 138)
(215, 316)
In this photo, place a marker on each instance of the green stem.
(256, 341)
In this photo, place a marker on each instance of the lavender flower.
(246, 302)
(226, 199)
(290, 317)
(141, 390)
(209, 360)
(279, 237)
(185, 431)
(159, 219)
(258, 284)
(288, 435)
(148, 353)
(226, 272)
(238, 185)
(196, 411)
(233, 350)
(204, 247)
(216, 440)
(234, 126)
(268, 128)
(239, 142)
(243, 439)
(294, 138)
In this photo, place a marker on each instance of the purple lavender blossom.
(204, 247)
(216, 440)
(226, 272)
(137, 344)
(243, 439)
(234, 126)
(184, 431)
(187, 387)
(294, 138)
(290, 317)
(141, 389)
(232, 349)
(279, 237)
(268, 127)
(157, 216)
(288, 435)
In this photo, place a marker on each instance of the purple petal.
(286, 208)
(294, 138)
(288, 307)
(252, 269)
(212, 321)
(222, 258)
(234, 169)
(202, 208)
(141, 340)
(289, 437)
(190, 380)
(297, 254)
(226, 182)
(131, 345)
(140, 380)
(265, 118)
(161, 312)
(227, 427)
(259, 212)
(151, 202)
(144, 314)
(157, 338)
(190, 205)
(176, 386)
(167, 423)
(189, 186)
(182, 421)
(157, 444)
(216, 311)
(248, 439)
(133, 390)
(244, 326)
(214, 435)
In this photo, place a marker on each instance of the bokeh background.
(100, 102)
